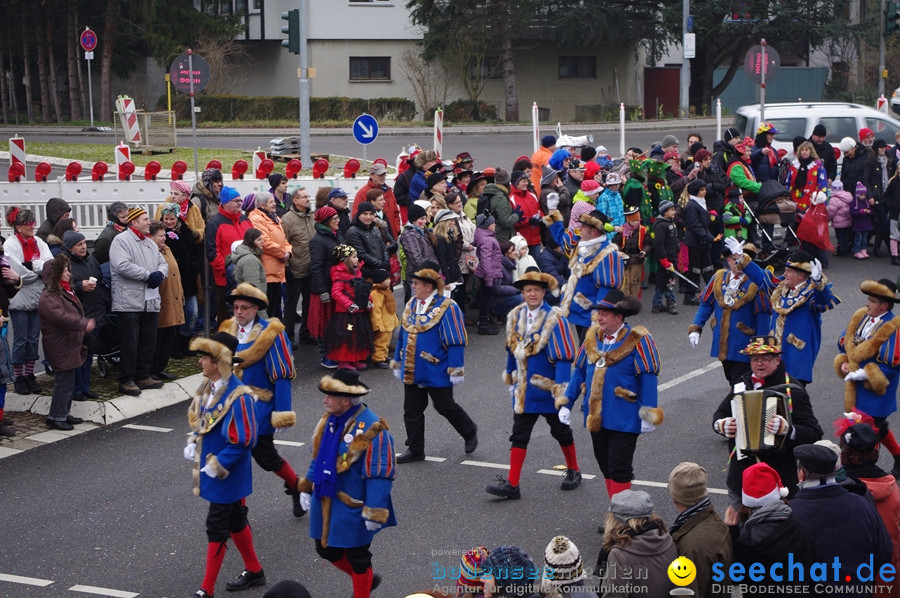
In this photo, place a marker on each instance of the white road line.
(664, 485)
(689, 375)
(103, 591)
(427, 458)
(486, 464)
(146, 428)
(29, 581)
(289, 443)
(586, 476)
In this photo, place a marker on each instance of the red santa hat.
(761, 486)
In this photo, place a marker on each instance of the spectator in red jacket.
(529, 225)
(222, 230)
(377, 176)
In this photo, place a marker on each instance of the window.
(839, 127)
(883, 129)
(577, 67)
(489, 68)
(377, 68)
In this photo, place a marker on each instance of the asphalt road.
(112, 508)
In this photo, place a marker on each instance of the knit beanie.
(134, 213)
(365, 206)
(501, 177)
(324, 213)
(669, 140)
(472, 569)
(695, 186)
(249, 202)
(72, 238)
(414, 212)
(516, 176)
(847, 144)
(590, 187)
(210, 176)
(861, 190)
(687, 483)
(227, 194)
(548, 141)
(591, 169)
(484, 221)
(562, 562)
(514, 573)
(731, 133)
(837, 185)
(275, 178)
(761, 485)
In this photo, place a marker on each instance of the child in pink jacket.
(489, 270)
(841, 220)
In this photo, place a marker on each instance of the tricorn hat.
(617, 301)
(430, 272)
(248, 292)
(534, 275)
(343, 383)
(883, 289)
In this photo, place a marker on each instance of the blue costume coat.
(797, 317)
(224, 433)
(879, 356)
(732, 326)
(620, 394)
(268, 368)
(431, 347)
(365, 467)
(539, 359)
(592, 276)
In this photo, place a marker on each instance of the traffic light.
(892, 18)
(292, 29)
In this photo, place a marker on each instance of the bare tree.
(72, 56)
(43, 76)
(110, 32)
(430, 80)
(26, 70)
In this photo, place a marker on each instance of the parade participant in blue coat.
(347, 488)
(540, 347)
(739, 312)
(596, 267)
(618, 367)
(223, 431)
(429, 360)
(869, 359)
(268, 368)
(798, 299)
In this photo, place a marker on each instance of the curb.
(114, 410)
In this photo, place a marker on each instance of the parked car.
(840, 120)
(895, 101)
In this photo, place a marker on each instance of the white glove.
(735, 246)
(456, 380)
(373, 526)
(305, 500)
(189, 451)
(647, 427)
(208, 470)
(552, 200)
(819, 198)
(726, 426)
(398, 374)
(856, 376)
(694, 337)
(565, 416)
(512, 390)
(777, 425)
(815, 270)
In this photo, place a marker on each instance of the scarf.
(139, 234)
(183, 207)
(688, 513)
(273, 216)
(701, 201)
(66, 286)
(325, 474)
(30, 249)
(882, 161)
(802, 171)
(116, 226)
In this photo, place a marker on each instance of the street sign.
(88, 40)
(180, 73)
(753, 63)
(690, 45)
(365, 129)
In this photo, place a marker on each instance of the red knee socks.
(571, 458)
(286, 473)
(243, 540)
(343, 565)
(516, 459)
(362, 584)
(215, 555)
(890, 443)
(613, 487)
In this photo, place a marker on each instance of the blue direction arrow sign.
(365, 129)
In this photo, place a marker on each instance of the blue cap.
(336, 192)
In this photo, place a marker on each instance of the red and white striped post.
(17, 152)
(439, 131)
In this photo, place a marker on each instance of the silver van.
(798, 119)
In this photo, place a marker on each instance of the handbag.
(813, 227)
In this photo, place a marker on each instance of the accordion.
(752, 409)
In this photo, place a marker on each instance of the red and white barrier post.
(17, 152)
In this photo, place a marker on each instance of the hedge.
(241, 109)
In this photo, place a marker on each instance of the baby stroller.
(105, 343)
(775, 206)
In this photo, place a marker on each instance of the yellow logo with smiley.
(682, 571)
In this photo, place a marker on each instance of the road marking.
(486, 464)
(665, 485)
(146, 428)
(289, 443)
(586, 476)
(689, 375)
(427, 458)
(29, 581)
(8, 452)
(103, 591)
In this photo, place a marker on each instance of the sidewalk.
(463, 129)
(27, 414)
